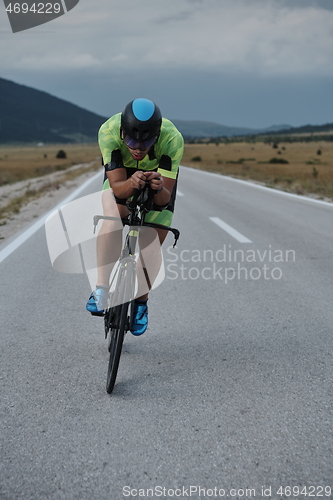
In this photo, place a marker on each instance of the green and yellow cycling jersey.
(164, 156)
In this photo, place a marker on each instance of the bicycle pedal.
(97, 313)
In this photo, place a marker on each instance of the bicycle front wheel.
(121, 319)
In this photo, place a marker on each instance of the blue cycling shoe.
(98, 300)
(140, 318)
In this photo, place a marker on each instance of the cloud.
(56, 61)
(263, 37)
(247, 37)
(323, 4)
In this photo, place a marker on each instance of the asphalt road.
(229, 392)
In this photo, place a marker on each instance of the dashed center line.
(230, 230)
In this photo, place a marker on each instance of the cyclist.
(137, 146)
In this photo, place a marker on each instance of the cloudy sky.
(251, 63)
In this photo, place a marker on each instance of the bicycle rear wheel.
(120, 320)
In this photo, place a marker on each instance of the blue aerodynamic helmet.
(141, 119)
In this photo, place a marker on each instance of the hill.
(202, 129)
(306, 129)
(29, 115)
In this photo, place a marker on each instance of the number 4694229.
(306, 491)
(35, 8)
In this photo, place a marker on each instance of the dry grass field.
(308, 168)
(19, 163)
(22, 163)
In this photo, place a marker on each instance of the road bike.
(118, 316)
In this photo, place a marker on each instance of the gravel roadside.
(56, 190)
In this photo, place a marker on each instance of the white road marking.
(17, 242)
(230, 230)
(179, 193)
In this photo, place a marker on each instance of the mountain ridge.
(203, 129)
(29, 115)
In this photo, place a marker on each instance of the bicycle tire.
(121, 318)
(116, 343)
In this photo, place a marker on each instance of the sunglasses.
(142, 145)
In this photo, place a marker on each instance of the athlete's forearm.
(122, 189)
(163, 197)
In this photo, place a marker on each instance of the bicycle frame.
(139, 206)
(118, 316)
